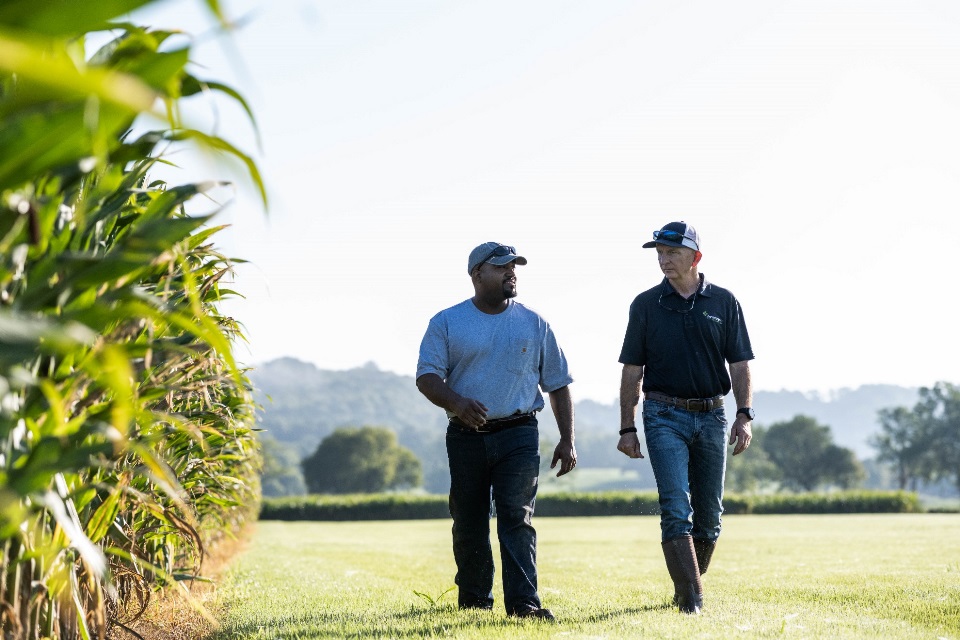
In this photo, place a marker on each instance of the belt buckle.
(697, 404)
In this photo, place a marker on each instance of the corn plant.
(434, 602)
(126, 426)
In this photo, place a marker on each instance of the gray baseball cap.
(676, 234)
(494, 253)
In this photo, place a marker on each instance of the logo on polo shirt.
(714, 318)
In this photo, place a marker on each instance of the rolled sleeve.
(554, 372)
(434, 351)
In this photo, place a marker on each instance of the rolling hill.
(301, 404)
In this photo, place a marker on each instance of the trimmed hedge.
(601, 503)
(608, 503)
(844, 502)
(377, 506)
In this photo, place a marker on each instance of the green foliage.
(399, 506)
(804, 453)
(838, 502)
(408, 472)
(126, 439)
(302, 404)
(753, 471)
(431, 600)
(364, 460)
(394, 506)
(846, 472)
(607, 503)
(280, 474)
(923, 443)
(939, 413)
(901, 443)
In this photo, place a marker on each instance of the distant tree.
(752, 471)
(903, 442)
(880, 475)
(923, 444)
(806, 456)
(281, 474)
(409, 470)
(939, 411)
(431, 448)
(841, 467)
(361, 460)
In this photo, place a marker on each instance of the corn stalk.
(126, 426)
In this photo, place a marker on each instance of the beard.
(509, 290)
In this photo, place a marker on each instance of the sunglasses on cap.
(668, 235)
(502, 250)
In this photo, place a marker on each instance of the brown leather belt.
(690, 404)
(497, 424)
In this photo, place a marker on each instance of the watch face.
(747, 412)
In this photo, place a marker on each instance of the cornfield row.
(126, 440)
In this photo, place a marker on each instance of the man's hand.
(630, 445)
(740, 434)
(566, 455)
(471, 412)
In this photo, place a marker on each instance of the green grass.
(844, 576)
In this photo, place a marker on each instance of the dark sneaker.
(537, 614)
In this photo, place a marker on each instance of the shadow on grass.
(413, 623)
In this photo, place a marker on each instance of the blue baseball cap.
(494, 253)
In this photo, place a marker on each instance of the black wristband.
(624, 432)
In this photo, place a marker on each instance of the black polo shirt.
(684, 345)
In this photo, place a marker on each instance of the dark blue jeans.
(688, 453)
(505, 465)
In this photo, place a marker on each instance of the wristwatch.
(747, 411)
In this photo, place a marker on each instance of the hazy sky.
(815, 146)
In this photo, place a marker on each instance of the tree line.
(921, 444)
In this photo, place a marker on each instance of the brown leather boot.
(704, 549)
(681, 560)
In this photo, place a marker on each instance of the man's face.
(501, 279)
(675, 262)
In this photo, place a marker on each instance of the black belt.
(497, 424)
(690, 404)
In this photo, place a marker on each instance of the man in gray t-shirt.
(485, 361)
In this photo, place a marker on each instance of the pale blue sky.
(813, 144)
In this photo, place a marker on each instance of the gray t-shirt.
(502, 360)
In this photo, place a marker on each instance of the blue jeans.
(688, 452)
(506, 465)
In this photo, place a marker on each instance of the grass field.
(852, 576)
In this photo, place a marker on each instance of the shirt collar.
(704, 290)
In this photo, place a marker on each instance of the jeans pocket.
(652, 410)
(721, 416)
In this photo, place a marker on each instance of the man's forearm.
(629, 394)
(562, 404)
(741, 382)
(436, 391)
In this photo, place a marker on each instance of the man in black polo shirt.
(681, 336)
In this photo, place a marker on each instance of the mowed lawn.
(846, 576)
